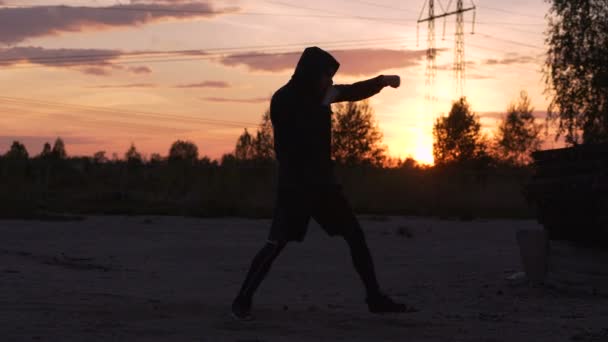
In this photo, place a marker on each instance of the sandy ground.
(172, 279)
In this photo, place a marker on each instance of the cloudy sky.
(103, 74)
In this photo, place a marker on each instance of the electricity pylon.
(431, 52)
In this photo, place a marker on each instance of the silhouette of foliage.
(17, 152)
(99, 157)
(576, 70)
(258, 147)
(79, 185)
(184, 151)
(457, 137)
(156, 158)
(263, 143)
(228, 159)
(244, 149)
(518, 134)
(58, 150)
(357, 139)
(133, 156)
(46, 151)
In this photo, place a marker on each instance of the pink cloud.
(354, 62)
(21, 23)
(96, 71)
(232, 100)
(205, 84)
(140, 70)
(511, 60)
(129, 85)
(90, 61)
(57, 57)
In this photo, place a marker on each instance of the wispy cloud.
(21, 23)
(129, 85)
(140, 70)
(479, 76)
(205, 84)
(96, 71)
(233, 100)
(509, 60)
(89, 61)
(57, 57)
(450, 66)
(354, 62)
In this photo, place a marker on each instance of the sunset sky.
(102, 74)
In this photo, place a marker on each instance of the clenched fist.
(391, 80)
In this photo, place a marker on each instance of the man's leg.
(241, 307)
(377, 302)
(362, 260)
(336, 216)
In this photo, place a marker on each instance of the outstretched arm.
(363, 89)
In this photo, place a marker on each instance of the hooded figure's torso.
(302, 121)
(302, 124)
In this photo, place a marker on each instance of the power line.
(487, 25)
(391, 20)
(180, 58)
(510, 23)
(395, 8)
(373, 4)
(509, 41)
(96, 124)
(64, 60)
(210, 52)
(510, 12)
(193, 11)
(139, 114)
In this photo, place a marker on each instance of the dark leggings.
(362, 260)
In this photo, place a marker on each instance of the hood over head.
(313, 63)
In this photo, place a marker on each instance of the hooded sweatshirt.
(302, 121)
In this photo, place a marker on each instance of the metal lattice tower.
(431, 67)
(431, 52)
(459, 62)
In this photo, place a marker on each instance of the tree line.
(576, 79)
(357, 141)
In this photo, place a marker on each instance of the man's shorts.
(326, 205)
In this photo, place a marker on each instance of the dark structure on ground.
(570, 191)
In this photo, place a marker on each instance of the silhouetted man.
(307, 187)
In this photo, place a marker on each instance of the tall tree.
(457, 137)
(518, 134)
(183, 150)
(244, 149)
(59, 149)
(17, 151)
(133, 156)
(263, 142)
(156, 158)
(357, 139)
(99, 157)
(576, 71)
(46, 151)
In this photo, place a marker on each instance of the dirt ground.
(173, 278)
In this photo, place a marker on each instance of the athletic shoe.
(384, 304)
(241, 309)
